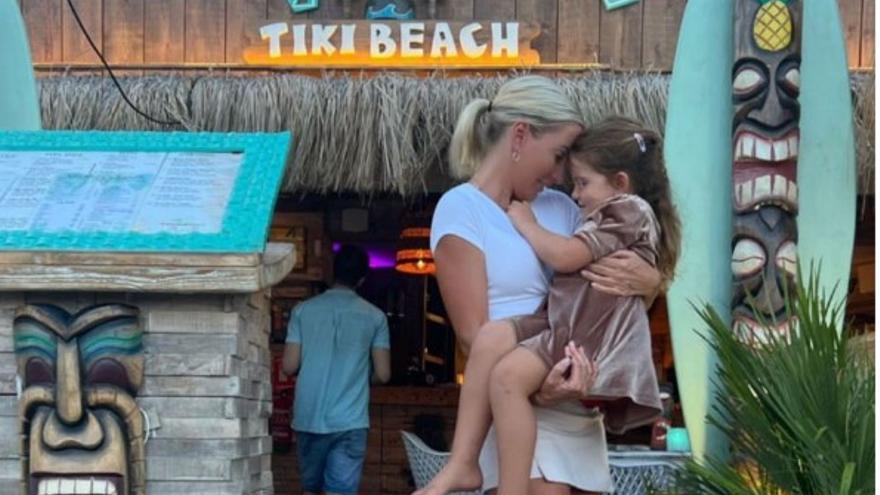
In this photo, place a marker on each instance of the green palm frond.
(802, 409)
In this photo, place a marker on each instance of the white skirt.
(570, 450)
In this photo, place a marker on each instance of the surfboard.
(698, 156)
(698, 153)
(827, 163)
(19, 106)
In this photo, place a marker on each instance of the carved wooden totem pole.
(766, 139)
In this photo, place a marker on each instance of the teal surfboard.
(699, 156)
(699, 161)
(19, 106)
(826, 166)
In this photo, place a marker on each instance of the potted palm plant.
(798, 411)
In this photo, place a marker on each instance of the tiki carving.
(766, 84)
(82, 431)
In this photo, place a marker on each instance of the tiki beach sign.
(353, 44)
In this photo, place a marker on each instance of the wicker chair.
(633, 472)
(425, 462)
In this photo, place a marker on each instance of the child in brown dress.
(620, 183)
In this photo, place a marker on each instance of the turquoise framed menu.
(139, 191)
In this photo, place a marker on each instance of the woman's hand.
(570, 379)
(521, 214)
(624, 273)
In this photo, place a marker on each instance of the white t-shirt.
(518, 281)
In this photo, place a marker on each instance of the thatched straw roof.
(386, 133)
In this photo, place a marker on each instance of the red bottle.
(662, 424)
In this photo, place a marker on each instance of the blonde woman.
(511, 148)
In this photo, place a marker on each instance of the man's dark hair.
(350, 265)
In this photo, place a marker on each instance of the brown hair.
(619, 144)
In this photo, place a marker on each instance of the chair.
(634, 472)
(425, 462)
(638, 472)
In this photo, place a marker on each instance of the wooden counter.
(439, 396)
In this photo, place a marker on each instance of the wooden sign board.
(353, 44)
(138, 191)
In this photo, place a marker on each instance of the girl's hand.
(521, 214)
(624, 273)
(570, 379)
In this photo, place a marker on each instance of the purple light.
(379, 258)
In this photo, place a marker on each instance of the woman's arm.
(461, 275)
(562, 254)
(624, 273)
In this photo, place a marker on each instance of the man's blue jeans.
(331, 462)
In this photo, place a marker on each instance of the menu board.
(149, 192)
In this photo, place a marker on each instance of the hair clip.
(643, 147)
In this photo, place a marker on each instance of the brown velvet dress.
(613, 330)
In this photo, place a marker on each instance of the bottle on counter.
(663, 423)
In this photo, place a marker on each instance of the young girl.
(620, 183)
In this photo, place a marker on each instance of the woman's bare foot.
(454, 477)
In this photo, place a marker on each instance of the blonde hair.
(535, 100)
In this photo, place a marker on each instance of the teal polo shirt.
(337, 331)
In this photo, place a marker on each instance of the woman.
(511, 148)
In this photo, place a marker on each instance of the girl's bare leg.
(462, 472)
(514, 379)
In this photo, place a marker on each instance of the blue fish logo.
(300, 6)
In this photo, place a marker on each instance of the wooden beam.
(146, 273)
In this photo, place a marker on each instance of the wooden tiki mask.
(82, 431)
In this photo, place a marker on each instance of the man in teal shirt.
(337, 342)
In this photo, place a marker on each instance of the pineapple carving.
(773, 28)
